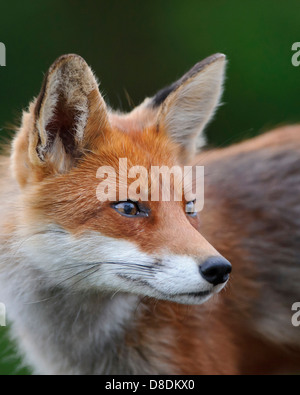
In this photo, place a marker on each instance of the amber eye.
(190, 208)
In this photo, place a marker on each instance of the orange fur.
(249, 217)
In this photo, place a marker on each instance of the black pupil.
(128, 208)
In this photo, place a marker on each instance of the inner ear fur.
(187, 106)
(69, 114)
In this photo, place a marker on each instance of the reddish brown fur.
(251, 217)
(219, 337)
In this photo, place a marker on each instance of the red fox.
(142, 286)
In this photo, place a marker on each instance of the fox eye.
(190, 208)
(131, 209)
(126, 208)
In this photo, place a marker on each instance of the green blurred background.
(140, 46)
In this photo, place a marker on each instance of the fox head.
(148, 247)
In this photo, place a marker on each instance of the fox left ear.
(188, 105)
(70, 114)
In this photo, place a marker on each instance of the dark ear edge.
(163, 94)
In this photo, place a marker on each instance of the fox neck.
(79, 334)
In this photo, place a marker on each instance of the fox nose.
(216, 270)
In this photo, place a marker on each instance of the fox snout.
(216, 270)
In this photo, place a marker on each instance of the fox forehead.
(142, 147)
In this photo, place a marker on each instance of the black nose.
(216, 270)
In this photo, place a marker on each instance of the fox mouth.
(169, 296)
(188, 297)
(193, 294)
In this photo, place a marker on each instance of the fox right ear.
(186, 106)
(66, 119)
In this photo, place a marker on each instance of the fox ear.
(188, 104)
(69, 113)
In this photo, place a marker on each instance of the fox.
(130, 287)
